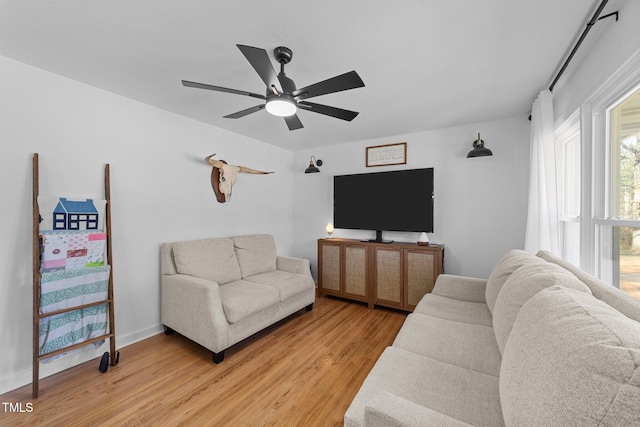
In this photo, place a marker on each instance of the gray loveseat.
(220, 291)
(540, 343)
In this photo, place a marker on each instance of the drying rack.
(37, 276)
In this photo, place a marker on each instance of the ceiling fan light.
(281, 106)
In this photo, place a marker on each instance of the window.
(624, 190)
(610, 185)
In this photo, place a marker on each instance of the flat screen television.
(399, 200)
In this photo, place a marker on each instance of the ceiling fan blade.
(346, 81)
(221, 89)
(245, 112)
(293, 122)
(338, 113)
(259, 60)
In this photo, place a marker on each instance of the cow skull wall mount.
(224, 175)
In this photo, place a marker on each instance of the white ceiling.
(426, 64)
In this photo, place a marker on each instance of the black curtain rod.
(596, 17)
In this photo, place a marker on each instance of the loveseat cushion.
(211, 259)
(241, 299)
(256, 253)
(288, 284)
(462, 344)
(476, 313)
(524, 283)
(571, 360)
(509, 263)
(456, 392)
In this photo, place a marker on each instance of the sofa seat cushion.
(463, 288)
(462, 344)
(398, 412)
(476, 313)
(210, 259)
(509, 263)
(241, 299)
(571, 360)
(288, 284)
(256, 253)
(456, 392)
(524, 283)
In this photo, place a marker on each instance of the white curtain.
(542, 216)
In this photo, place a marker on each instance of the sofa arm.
(293, 265)
(192, 307)
(403, 413)
(463, 288)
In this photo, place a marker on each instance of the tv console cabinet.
(395, 275)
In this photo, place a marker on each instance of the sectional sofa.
(539, 343)
(220, 291)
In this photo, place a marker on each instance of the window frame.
(564, 134)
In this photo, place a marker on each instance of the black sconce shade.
(479, 150)
(312, 165)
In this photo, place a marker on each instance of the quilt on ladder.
(64, 289)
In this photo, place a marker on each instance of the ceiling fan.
(282, 98)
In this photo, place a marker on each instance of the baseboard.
(82, 355)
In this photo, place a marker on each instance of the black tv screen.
(384, 201)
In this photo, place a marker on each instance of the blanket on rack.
(64, 289)
(69, 250)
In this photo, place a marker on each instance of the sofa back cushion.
(524, 283)
(211, 259)
(256, 253)
(509, 263)
(622, 302)
(571, 360)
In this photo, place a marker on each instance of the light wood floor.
(303, 372)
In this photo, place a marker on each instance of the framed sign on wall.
(385, 155)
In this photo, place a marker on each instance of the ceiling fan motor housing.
(287, 84)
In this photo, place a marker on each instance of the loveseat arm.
(463, 288)
(192, 307)
(293, 265)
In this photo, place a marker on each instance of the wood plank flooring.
(304, 371)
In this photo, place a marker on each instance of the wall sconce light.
(479, 150)
(329, 229)
(312, 165)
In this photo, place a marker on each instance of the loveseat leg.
(218, 357)
(167, 330)
(309, 307)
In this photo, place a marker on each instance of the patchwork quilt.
(72, 250)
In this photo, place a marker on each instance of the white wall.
(480, 203)
(160, 192)
(606, 48)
